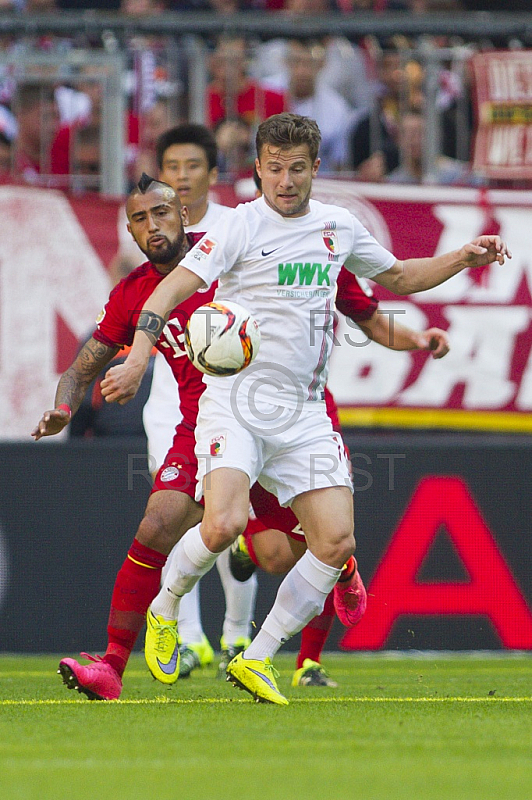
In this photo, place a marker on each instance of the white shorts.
(300, 453)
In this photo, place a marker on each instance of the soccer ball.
(222, 338)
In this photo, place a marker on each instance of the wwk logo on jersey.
(304, 274)
(217, 445)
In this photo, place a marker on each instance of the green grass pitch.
(448, 728)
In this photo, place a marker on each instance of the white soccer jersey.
(215, 212)
(284, 271)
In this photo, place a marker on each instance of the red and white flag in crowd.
(503, 100)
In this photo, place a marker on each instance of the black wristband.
(152, 324)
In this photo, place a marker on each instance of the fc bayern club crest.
(169, 473)
(330, 240)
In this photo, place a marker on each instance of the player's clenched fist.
(121, 383)
(436, 341)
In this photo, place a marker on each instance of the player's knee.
(220, 530)
(346, 546)
(277, 563)
(155, 532)
(337, 549)
(347, 549)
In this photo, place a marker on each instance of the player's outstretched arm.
(72, 386)
(419, 274)
(384, 329)
(122, 382)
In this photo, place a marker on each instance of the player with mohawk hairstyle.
(144, 182)
(156, 220)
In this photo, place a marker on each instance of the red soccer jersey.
(359, 306)
(352, 300)
(116, 328)
(253, 104)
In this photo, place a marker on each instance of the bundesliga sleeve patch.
(204, 249)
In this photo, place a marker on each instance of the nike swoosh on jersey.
(169, 668)
(269, 251)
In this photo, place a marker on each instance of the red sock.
(137, 583)
(314, 635)
(350, 567)
(248, 537)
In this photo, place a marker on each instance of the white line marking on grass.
(226, 701)
(24, 673)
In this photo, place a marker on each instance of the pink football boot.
(350, 599)
(99, 681)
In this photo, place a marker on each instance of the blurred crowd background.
(87, 86)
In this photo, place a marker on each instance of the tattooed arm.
(72, 386)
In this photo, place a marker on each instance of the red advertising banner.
(503, 100)
(55, 281)
(395, 589)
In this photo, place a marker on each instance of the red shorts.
(178, 473)
(271, 515)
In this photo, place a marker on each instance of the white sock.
(166, 567)
(239, 602)
(189, 619)
(190, 560)
(300, 597)
(166, 604)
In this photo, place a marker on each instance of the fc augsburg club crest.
(330, 239)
